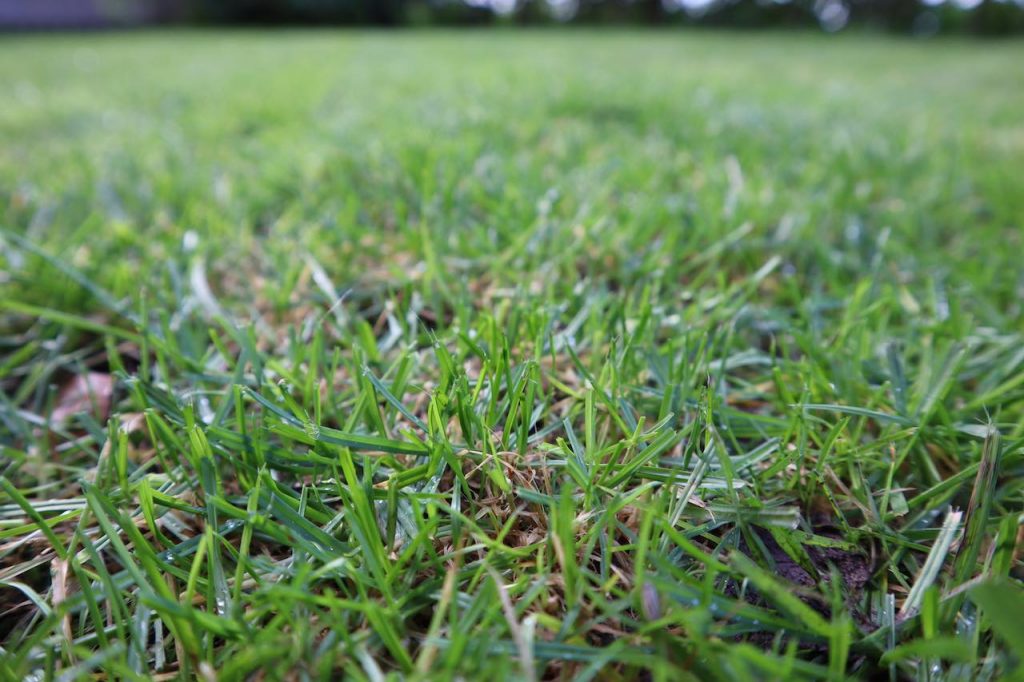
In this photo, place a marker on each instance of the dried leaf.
(90, 393)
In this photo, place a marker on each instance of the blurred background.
(916, 17)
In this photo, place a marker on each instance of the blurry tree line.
(922, 17)
(986, 17)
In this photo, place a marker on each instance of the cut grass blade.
(933, 563)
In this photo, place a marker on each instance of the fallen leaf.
(90, 393)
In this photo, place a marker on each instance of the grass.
(522, 355)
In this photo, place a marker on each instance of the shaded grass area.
(530, 355)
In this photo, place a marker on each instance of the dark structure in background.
(986, 17)
(351, 12)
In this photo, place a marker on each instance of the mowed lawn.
(510, 355)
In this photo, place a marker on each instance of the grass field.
(511, 355)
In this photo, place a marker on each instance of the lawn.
(511, 355)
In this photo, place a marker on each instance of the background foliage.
(919, 17)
